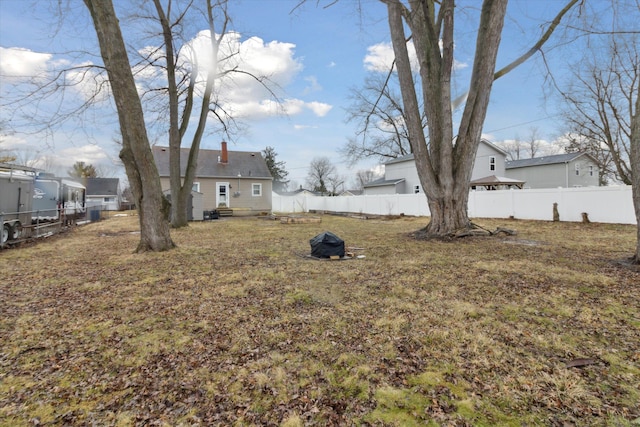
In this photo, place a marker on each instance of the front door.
(222, 194)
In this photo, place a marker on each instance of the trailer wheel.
(5, 233)
(15, 231)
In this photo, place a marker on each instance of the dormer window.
(492, 163)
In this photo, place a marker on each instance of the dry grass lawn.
(237, 327)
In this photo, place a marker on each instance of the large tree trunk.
(445, 166)
(448, 214)
(136, 152)
(635, 169)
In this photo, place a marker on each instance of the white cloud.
(253, 57)
(259, 109)
(380, 57)
(271, 64)
(90, 154)
(22, 63)
(313, 86)
(320, 109)
(303, 127)
(26, 66)
(12, 142)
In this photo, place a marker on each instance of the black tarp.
(327, 244)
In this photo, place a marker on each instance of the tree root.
(472, 230)
(476, 230)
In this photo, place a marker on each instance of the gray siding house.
(239, 181)
(401, 175)
(103, 192)
(561, 170)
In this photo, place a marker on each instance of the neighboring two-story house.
(561, 170)
(401, 175)
(235, 180)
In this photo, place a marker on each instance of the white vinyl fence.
(603, 204)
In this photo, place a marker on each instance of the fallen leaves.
(232, 328)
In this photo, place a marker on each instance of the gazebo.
(493, 182)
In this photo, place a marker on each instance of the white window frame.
(196, 186)
(577, 169)
(590, 170)
(254, 186)
(492, 163)
(416, 189)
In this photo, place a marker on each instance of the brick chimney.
(225, 156)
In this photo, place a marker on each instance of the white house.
(401, 175)
(561, 170)
(103, 192)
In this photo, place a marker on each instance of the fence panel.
(603, 204)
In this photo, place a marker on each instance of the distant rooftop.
(546, 160)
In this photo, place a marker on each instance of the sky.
(315, 54)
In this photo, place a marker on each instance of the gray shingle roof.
(247, 164)
(546, 160)
(400, 159)
(408, 157)
(101, 186)
(382, 182)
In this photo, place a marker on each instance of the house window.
(416, 189)
(492, 163)
(195, 187)
(590, 170)
(256, 190)
(577, 169)
(109, 199)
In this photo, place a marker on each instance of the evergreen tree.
(276, 168)
(82, 170)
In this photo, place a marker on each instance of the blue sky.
(318, 54)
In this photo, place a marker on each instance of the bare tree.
(513, 148)
(599, 104)
(322, 176)
(517, 149)
(532, 142)
(365, 176)
(603, 98)
(181, 188)
(153, 208)
(445, 163)
(382, 132)
(25, 157)
(336, 184)
(190, 93)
